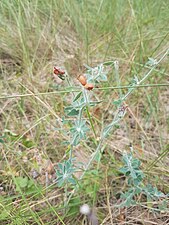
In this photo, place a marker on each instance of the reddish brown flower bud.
(58, 71)
(82, 80)
(89, 87)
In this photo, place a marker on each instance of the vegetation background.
(36, 35)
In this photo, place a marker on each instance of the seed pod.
(82, 80)
(58, 71)
(89, 87)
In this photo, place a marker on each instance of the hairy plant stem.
(87, 110)
(115, 121)
(145, 76)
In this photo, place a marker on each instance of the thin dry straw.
(77, 90)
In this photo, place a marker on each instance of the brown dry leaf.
(121, 216)
(50, 167)
(97, 112)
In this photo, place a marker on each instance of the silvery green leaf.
(151, 62)
(60, 182)
(77, 97)
(109, 63)
(72, 180)
(73, 112)
(123, 170)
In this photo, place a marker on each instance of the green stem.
(116, 66)
(88, 113)
(115, 120)
(91, 122)
(145, 76)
